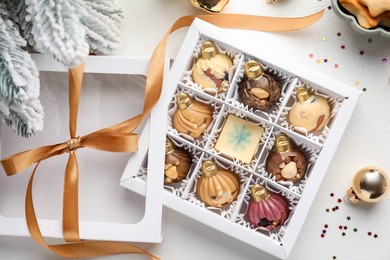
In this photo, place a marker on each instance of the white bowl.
(341, 12)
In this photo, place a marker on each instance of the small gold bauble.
(370, 184)
(209, 6)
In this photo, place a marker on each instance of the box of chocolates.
(249, 138)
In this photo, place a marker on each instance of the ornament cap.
(302, 94)
(370, 184)
(282, 143)
(209, 169)
(208, 50)
(253, 69)
(259, 193)
(184, 101)
(169, 146)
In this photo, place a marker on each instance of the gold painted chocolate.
(258, 90)
(177, 163)
(310, 111)
(191, 117)
(370, 184)
(259, 193)
(217, 187)
(239, 138)
(209, 6)
(212, 69)
(286, 162)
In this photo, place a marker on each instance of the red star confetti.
(343, 234)
(339, 200)
(384, 60)
(345, 227)
(376, 236)
(332, 194)
(322, 235)
(337, 207)
(326, 226)
(336, 66)
(342, 47)
(348, 218)
(311, 55)
(361, 52)
(340, 227)
(339, 34)
(333, 209)
(369, 233)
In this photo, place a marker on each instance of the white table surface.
(365, 142)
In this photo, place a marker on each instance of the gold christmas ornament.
(211, 70)
(191, 117)
(370, 184)
(310, 111)
(217, 187)
(210, 6)
(177, 163)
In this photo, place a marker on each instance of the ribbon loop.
(73, 144)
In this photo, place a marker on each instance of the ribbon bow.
(118, 138)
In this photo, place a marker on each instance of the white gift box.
(319, 148)
(113, 90)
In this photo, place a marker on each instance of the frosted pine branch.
(57, 30)
(108, 8)
(103, 34)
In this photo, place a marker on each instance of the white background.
(365, 142)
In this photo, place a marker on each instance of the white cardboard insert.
(113, 90)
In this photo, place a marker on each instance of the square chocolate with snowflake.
(239, 138)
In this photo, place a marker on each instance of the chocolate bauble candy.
(286, 162)
(311, 112)
(191, 117)
(212, 69)
(266, 209)
(258, 89)
(217, 187)
(177, 163)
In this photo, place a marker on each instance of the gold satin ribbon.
(118, 138)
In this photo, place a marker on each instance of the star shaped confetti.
(336, 66)
(339, 200)
(331, 194)
(311, 55)
(324, 231)
(339, 34)
(376, 236)
(340, 227)
(326, 60)
(327, 210)
(357, 82)
(326, 226)
(384, 60)
(342, 47)
(343, 234)
(348, 218)
(355, 230)
(345, 227)
(324, 38)
(369, 233)
(361, 52)
(364, 89)
(322, 235)
(334, 257)
(329, 7)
